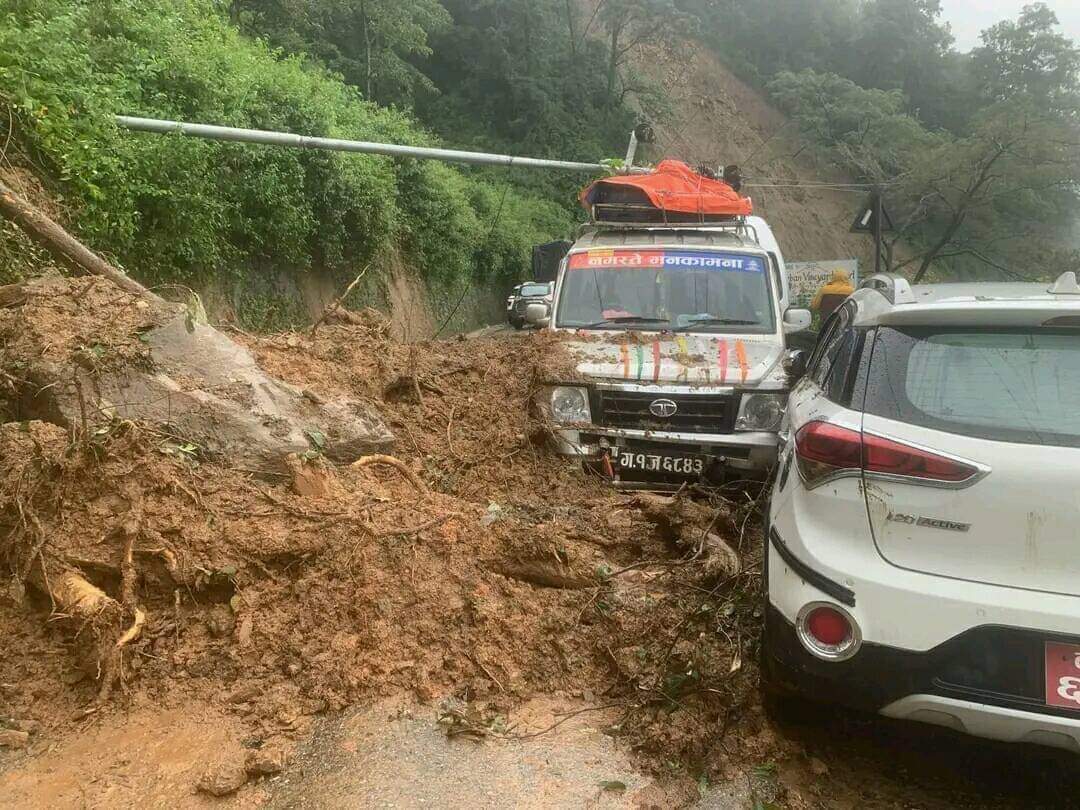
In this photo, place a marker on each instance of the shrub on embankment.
(172, 209)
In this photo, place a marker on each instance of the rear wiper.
(625, 319)
(717, 322)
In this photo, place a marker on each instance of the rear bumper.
(914, 686)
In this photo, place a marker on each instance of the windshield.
(531, 290)
(687, 291)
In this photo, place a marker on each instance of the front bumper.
(747, 452)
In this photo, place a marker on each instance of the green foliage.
(1028, 57)
(369, 42)
(526, 77)
(880, 44)
(179, 209)
(1001, 196)
(865, 132)
(979, 154)
(522, 77)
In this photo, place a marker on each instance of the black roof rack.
(736, 226)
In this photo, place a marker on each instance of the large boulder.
(82, 353)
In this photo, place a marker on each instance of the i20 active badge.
(663, 408)
(929, 522)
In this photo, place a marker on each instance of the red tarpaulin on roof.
(674, 186)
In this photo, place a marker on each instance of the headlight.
(570, 405)
(761, 412)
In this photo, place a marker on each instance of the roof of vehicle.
(752, 233)
(893, 301)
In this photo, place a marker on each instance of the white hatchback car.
(923, 544)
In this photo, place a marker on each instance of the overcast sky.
(969, 17)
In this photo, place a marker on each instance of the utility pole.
(338, 145)
(873, 220)
(877, 229)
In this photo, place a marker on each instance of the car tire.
(518, 324)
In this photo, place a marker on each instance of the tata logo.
(663, 408)
(1069, 688)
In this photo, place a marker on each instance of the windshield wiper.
(711, 321)
(625, 319)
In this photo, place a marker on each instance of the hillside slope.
(716, 118)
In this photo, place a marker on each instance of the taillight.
(826, 451)
(893, 458)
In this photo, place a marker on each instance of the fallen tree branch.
(423, 527)
(12, 295)
(62, 245)
(390, 461)
(336, 303)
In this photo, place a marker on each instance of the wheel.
(777, 699)
(517, 324)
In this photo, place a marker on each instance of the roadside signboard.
(806, 278)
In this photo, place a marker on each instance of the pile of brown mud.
(472, 568)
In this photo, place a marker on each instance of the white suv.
(923, 546)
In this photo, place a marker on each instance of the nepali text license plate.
(1063, 675)
(630, 459)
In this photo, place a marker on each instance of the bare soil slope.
(717, 119)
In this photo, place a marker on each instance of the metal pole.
(877, 230)
(391, 150)
(631, 150)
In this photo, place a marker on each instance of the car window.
(774, 264)
(1018, 385)
(826, 334)
(837, 385)
(829, 345)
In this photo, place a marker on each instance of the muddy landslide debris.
(83, 353)
(472, 567)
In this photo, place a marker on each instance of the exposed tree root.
(688, 525)
(544, 574)
(390, 461)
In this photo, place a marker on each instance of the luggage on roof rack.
(673, 194)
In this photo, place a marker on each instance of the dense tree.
(248, 216)
(772, 36)
(865, 132)
(370, 42)
(1028, 57)
(997, 195)
(903, 45)
(628, 24)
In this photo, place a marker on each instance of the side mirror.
(538, 314)
(797, 320)
(795, 365)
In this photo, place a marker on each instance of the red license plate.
(1063, 675)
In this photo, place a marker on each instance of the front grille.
(521, 304)
(697, 413)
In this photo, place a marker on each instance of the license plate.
(672, 464)
(1063, 675)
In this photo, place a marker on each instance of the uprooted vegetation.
(463, 564)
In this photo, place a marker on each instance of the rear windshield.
(1008, 385)
(534, 289)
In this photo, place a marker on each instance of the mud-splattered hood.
(680, 359)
